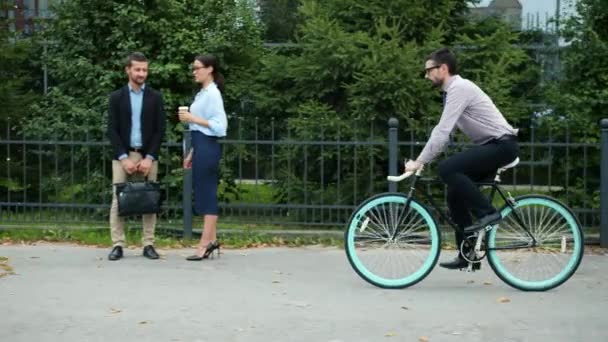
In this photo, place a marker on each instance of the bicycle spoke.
(556, 254)
(389, 245)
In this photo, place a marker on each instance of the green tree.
(88, 43)
(580, 97)
(91, 39)
(17, 68)
(357, 63)
(280, 18)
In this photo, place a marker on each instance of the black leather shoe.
(485, 221)
(150, 253)
(459, 263)
(116, 253)
(454, 264)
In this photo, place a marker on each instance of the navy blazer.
(152, 125)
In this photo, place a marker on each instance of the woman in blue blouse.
(207, 121)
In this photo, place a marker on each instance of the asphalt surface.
(61, 292)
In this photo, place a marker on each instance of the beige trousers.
(117, 223)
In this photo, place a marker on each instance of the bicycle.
(393, 241)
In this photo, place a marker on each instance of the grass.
(250, 193)
(246, 238)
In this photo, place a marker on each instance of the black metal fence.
(273, 177)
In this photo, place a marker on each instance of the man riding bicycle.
(467, 107)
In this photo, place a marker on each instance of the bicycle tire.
(422, 229)
(516, 267)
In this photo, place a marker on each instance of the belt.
(506, 137)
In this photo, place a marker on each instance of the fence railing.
(276, 177)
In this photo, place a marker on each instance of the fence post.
(393, 124)
(187, 190)
(604, 184)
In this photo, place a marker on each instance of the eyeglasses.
(427, 70)
(195, 68)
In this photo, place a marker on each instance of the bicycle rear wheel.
(558, 250)
(389, 246)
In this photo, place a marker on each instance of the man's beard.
(138, 80)
(437, 84)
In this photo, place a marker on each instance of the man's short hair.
(445, 56)
(135, 57)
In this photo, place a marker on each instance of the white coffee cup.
(182, 108)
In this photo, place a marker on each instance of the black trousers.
(460, 172)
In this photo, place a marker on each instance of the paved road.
(71, 293)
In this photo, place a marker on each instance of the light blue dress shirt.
(208, 105)
(137, 100)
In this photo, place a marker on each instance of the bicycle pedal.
(472, 267)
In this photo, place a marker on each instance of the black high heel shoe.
(210, 248)
(213, 245)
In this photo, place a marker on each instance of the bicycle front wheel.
(548, 262)
(389, 245)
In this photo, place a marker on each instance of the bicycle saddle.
(510, 165)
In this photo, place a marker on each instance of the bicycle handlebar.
(403, 176)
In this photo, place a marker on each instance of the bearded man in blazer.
(136, 127)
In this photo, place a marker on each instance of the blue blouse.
(208, 105)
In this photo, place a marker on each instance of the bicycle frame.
(495, 189)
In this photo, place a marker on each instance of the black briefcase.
(138, 198)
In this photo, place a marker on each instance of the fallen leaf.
(143, 322)
(34, 257)
(487, 282)
(278, 272)
(115, 311)
(503, 300)
(423, 339)
(405, 308)
(275, 281)
(470, 281)
(390, 334)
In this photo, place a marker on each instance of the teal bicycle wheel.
(389, 246)
(559, 244)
